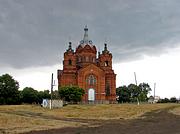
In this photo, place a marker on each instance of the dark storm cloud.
(36, 32)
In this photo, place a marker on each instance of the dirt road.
(157, 122)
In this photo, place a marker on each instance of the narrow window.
(106, 63)
(87, 59)
(91, 80)
(107, 89)
(93, 59)
(70, 62)
(79, 59)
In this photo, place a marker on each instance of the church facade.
(92, 72)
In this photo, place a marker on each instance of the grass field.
(24, 118)
(176, 110)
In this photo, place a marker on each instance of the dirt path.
(158, 122)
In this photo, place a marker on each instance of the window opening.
(70, 62)
(91, 80)
(106, 63)
(87, 59)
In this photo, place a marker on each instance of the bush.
(71, 93)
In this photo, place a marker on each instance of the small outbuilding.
(46, 103)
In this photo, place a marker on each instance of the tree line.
(171, 100)
(9, 93)
(133, 93)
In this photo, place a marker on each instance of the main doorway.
(91, 94)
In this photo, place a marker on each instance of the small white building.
(153, 99)
(46, 103)
(156, 99)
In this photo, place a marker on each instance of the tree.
(165, 100)
(123, 93)
(173, 100)
(135, 92)
(71, 93)
(29, 95)
(145, 89)
(9, 93)
(55, 94)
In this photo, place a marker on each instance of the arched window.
(69, 62)
(79, 59)
(106, 63)
(93, 59)
(91, 80)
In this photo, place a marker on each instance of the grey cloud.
(36, 32)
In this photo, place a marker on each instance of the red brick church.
(92, 72)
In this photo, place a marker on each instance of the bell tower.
(67, 76)
(105, 62)
(105, 59)
(69, 62)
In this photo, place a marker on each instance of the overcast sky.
(35, 33)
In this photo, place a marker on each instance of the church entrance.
(91, 94)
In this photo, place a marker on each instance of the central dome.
(86, 44)
(85, 39)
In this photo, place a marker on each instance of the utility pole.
(136, 85)
(154, 90)
(135, 78)
(51, 90)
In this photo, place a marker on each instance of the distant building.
(156, 99)
(153, 99)
(85, 69)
